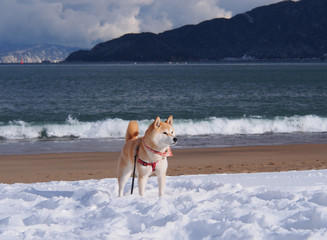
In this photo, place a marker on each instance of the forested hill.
(285, 30)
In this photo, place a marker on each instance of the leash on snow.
(135, 156)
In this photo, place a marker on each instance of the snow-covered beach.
(284, 205)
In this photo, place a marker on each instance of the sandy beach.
(81, 166)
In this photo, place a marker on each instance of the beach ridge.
(97, 165)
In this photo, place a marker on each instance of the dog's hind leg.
(123, 176)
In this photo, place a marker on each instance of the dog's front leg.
(161, 176)
(162, 183)
(142, 180)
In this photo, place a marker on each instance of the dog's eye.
(165, 133)
(172, 132)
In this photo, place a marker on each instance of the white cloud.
(83, 23)
(65, 22)
(167, 14)
(240, 6)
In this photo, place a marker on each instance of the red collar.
(167, 153)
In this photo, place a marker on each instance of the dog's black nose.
(175, 140)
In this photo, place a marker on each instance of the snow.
(286, 205)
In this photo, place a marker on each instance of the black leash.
(136, 151)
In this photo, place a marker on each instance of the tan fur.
(132, 131)
(159, 136)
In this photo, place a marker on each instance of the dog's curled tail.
(132, 131)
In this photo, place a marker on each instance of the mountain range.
(285, 30)
(34, 53)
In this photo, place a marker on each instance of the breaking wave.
(116, 128)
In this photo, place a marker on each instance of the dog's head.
(161, 134)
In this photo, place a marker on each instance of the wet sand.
(81, 166)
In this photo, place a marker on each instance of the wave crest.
(252, 125)
(116, 128)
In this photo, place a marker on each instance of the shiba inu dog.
(151, 153)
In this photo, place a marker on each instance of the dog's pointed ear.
(170, 120)
(156, 122)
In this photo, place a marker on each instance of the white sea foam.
(116, 128)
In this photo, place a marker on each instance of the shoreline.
(31, 168)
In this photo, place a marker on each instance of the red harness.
(145, 164)
(168, 153)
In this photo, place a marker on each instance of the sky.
(84, 23)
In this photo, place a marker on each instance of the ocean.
(86, 107)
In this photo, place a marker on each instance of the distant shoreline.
(236, 61)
